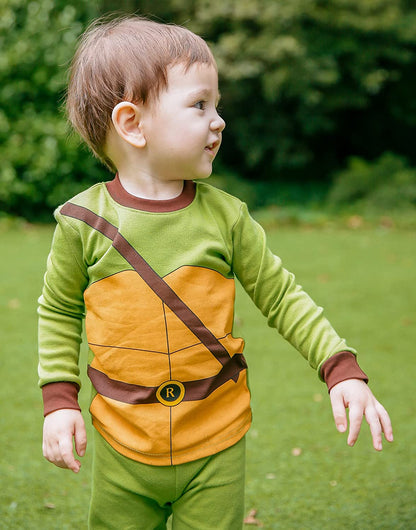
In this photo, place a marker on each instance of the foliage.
(41, 162)
(305, 85)
(387, 184)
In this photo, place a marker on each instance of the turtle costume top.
(154, 281)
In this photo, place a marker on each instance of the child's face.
(182, 127)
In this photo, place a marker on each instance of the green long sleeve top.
(154, 281)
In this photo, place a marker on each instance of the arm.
(61, 310)
(284, 303)
(290, 310)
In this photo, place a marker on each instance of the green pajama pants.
(207, 494)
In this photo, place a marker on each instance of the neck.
(148, 187)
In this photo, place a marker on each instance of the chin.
(203, 174)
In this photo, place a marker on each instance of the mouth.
(213, 147)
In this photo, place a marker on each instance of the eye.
(200, 105)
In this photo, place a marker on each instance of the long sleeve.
(61, 308)
(275, 292)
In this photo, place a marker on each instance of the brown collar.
(123, 197)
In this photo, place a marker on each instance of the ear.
(126, 118)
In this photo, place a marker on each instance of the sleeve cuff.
(62, 395)
(340, 367)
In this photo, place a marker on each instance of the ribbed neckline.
(123, 197)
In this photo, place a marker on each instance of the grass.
(300, 472)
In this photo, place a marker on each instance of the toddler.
(149, 259)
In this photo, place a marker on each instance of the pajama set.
(155, 282)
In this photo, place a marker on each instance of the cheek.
(184, 137)
(178, 133)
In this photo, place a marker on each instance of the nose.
(217, 124)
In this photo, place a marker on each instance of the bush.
(304, 84)
(386, 184)
(42, 164)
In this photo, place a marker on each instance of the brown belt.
(170, 391)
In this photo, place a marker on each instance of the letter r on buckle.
(170, 393)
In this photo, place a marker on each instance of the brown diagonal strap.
(153, 280)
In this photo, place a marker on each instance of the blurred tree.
(42, 164)
(385, 184)
(305, 83)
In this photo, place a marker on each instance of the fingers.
(80, 438)
(338, 411)
(59, 453)
(66, 457)
(373, 421)
(355, 395)
(379, 422)
(385, 422)
(356, 419)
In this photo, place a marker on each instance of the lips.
(213, 147)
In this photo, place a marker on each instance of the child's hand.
(58, 430)
(356, 395)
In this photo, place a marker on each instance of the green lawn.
(300, 472)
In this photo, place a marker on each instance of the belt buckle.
(170, 393)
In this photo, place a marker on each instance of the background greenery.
(300, 471)
(315, 93)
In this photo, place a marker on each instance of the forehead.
(199, 77)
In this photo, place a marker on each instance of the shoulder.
(219, 199)
(231, 213)
(89, 198)
(211, 191)
(96, 199)
(92, 201)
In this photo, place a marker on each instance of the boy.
(151, 258)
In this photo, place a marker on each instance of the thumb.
(80, 437)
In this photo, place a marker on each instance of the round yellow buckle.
(170, 393)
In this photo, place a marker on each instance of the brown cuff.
(62, 395)
(341, 366)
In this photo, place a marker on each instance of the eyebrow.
(203, 93)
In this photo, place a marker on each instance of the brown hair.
(124, 59)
